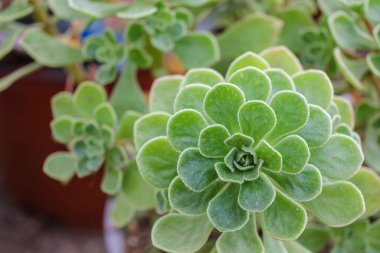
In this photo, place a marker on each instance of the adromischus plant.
(250, 151)
(96, 138)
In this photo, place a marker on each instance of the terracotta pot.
(25, 141)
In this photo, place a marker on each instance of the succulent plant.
(250, 151)
(97, 139)
(360, 236)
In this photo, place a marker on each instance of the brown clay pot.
(25, 142)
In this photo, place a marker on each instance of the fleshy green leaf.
(239, 141)
(295, 247)
(140, 194)
(318, 127)
(259, 31)
(238, 176)
(7, 43)
(137, 10)
(60, 166)
(272, 158)
(248, 59)
(373, 234)
(338, 205)
(372, 10)
(88, 96)
(157, 162)
(62, 103)
(347, 33)
(254, 83)
(163, 92)
(273, 245)
(287, 120)
(345, 111)
(190, 202)
(105, 115)
(191, 97)
(62, 10)
(43, 49)
(224, 211)
(197, 49)
(97, 9)
(121, 211)
(352, 70)
(196, 171)
(211, 141)
(282, 58)
(17, 9)
(140, 57)
(125, 129)
(295, 19)
(112, 179)
(339, 158)
(184, 128)
(316, 86)
(245, 240)
(294, 152)
(222, 111)
(150, 126)
(279, 80)
(303, 186)
(63, 128)
(256, 119)
(127, 94)
(315, 237)
(257, 195)
(373, 61)
(285, 219)
(202, 76)
(175, 232)
(368, 183)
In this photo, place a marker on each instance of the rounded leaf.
(338, 205)
(88, 96)
(254, 83)
(256, 119)
(318, 127)
(339, 158)
(224, 211)
(211, 141)
(181, 233)
(316, 86)
(292, 112)
(294, 152)
(150, 126)
(272, 158)
(257, 195)
(279, 81)
(248, 59)
(303, 186)
(157, 162)
(191, 97)
(163, 92)
(61, 166)
(189, 202)
(222, 110)
(282, 58)
(285, 219)
(196, 171)
(105, 115)
(184, 128)
(205, 76)
(345, 111)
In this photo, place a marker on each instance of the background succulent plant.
(96, 139)
(266, 143)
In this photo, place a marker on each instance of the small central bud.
(242, 159)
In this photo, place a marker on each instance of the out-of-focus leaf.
(97, 9)
(17, 9)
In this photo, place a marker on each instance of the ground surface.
(25, 231)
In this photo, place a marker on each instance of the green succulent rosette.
(96, 140)
(258, 148)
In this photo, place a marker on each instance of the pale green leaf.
(63, 128)
(121, 211)
(163, 92)
(281, 57)
(205, 76)
(157, 162)
(111, 181)
(88, 96)
(338, 205)
(191, 97)
(60, 166)
(279, 80)
(211, 141)
(247, 59)
(97, 9)
(272, 158)
(104, 114)
(17, 9)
